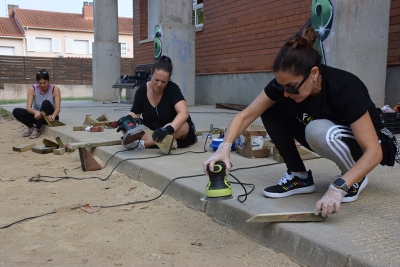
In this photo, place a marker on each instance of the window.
(152, 17)
(197, 13)
(7, 51)
(78, 46)
(41, 44)
(123, 49)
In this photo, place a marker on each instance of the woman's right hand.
(222, 154)
(38, 115)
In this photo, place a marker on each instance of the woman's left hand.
(51, 118)
(330, 202)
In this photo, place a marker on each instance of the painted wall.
(63, 35)
(19, 91)
(17, 43)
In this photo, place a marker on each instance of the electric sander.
(132, 129)
(218, 187)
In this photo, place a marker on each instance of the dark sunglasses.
(41, 72)
(292, 90)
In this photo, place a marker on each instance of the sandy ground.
(163, 232)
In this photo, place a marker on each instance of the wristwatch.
(341, 184)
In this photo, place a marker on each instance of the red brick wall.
(143, 53)
(394, 34)
(246, 36)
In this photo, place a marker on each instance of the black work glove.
(160, 133)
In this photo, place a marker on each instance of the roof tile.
(64, 21)
(8, 27)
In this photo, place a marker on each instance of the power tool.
(218, 187)
(131, 127)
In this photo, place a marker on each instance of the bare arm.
(365, 134)
(29, 101)
(57, 103)
(181, 116)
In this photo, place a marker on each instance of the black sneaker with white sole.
(290, 185)
(355, 190)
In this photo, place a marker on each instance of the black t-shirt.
(343, 99)
(164, 113)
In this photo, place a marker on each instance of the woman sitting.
(42, 96)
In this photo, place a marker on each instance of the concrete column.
(106, 50)
(358, 42)
(178, 42)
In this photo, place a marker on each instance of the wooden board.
(60, 142)
(93, 144)
(54, 123)
(79, 128)
(103, 118)
(43, 149)
(50, 143)
(287, 217)
(230, 106)
(59, 151)
(23, 148)
(165, 145)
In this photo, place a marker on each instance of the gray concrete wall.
(230, 88)
(358, 42)
(392, 95)
(106, 49)
(19, 91)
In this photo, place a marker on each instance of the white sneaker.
(135, 145)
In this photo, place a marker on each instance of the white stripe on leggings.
(340, 148)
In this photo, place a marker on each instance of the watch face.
(339, 182)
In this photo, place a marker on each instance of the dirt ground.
(163, 232)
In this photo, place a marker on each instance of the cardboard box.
(250, 144)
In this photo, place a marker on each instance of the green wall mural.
(157, 42)
(321, 20)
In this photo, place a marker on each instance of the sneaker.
(290, 185)
(135, 145)
(355, 190)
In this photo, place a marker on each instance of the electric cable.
(162, 192)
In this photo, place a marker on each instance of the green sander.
(218, 187)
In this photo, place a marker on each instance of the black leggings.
(29, 120)
(283, 127)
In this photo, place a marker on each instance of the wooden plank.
(59, 151)
(54, 123)
(89, 120)
(79, 128)
(60, 142)
(287, 217)
(43, 149)
(103, 117)
(50, 143)
(165, 145)
(93, 144)
(23, 148)
(230, 106)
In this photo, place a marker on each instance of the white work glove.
(330, 202)
(222, 154)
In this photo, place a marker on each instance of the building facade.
(39, 33)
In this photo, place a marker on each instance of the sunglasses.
(41, 72)
(292, 90)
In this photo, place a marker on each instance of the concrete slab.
(364, 233)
